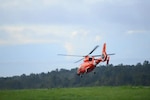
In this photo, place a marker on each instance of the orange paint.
(89, 63)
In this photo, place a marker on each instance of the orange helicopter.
(90, 62)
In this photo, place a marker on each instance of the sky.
(33, 32)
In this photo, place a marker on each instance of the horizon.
(59, 69)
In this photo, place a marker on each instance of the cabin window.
(90, 59)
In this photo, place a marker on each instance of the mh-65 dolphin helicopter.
(90, 62)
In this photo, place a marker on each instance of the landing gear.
(80, 75)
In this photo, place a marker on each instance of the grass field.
(82, 93)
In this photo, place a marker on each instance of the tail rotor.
(105, 56)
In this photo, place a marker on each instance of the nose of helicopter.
(78, 74)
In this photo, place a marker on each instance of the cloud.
(73, 34)
(135, 31)
(74, 40)
(7, 4)
(97, 38)
(39, 4)
(75, 22)
(30, 34)
(69, 48)
(103, 13)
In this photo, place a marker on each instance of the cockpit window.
(90, 59)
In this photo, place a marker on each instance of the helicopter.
(90, 61)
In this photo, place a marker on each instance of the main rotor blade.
(93, 49)
(111, 54)
(70, 55)
(101, 55)
(79, 60)
(96, 55)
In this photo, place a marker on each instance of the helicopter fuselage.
(88, 65)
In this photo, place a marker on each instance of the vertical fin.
(104, 54)
(104, 48)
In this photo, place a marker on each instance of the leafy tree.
(110, 75)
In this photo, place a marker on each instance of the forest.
(110, 75)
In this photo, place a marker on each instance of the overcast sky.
(33, 32)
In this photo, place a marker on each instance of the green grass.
(83, 93)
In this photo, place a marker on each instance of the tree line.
(110, 75)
